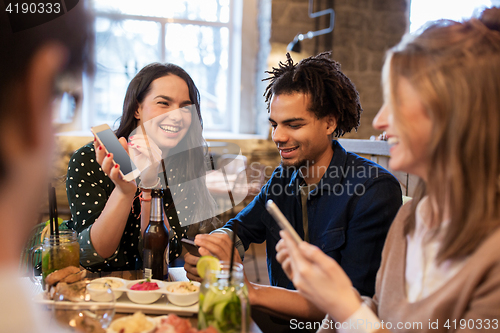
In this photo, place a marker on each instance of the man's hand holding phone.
(191, 247)
(217, 245)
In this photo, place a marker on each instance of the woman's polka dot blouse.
(88, 190)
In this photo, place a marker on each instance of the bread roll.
(60, 274)
(74, 277)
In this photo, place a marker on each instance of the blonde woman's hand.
(112, 170)
(318, 278)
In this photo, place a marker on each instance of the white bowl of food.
(144, 291)
(183, 293)
(137, 323)
(97, 287)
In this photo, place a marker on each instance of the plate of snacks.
(145, 291)
(136, 323)
(183, 293)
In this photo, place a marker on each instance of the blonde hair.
(455, 68)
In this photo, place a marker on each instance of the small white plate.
(183, 299)
(145, 296)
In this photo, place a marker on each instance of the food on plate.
(164, 324)
(145, 285)
(136, 323)
(105, 283)
(174, 324)
(66, 280)
(72, 291)
(145, 291)
(75, 277)
(183, 293)
(183, 287)
(105, 289)
(61, 274)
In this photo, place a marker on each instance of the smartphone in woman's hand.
(108, 139)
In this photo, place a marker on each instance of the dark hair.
(140, 86)
(190, 148)
(190, 155)
(73, 30)
(332, 93)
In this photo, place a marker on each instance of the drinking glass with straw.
(224, 301)
(61, 248)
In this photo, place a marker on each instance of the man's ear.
(331, 125)
(39, 81)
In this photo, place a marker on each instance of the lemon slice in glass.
(207, 263)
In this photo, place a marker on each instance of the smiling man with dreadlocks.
(336, 200)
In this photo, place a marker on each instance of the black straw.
(56, 215)
(51, 211)
(235, 231)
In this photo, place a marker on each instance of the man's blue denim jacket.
(349, 216)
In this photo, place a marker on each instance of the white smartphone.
(282, 221)
(108, 139)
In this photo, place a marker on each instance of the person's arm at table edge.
(283, 303)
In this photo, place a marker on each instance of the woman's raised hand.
(146, 156)
(110, 168)
(318, 277)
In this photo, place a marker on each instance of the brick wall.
(363, 31)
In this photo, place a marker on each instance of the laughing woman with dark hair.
(111, 214)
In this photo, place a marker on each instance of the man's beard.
(290, 167)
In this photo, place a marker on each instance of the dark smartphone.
(108, 139)
(190, 246)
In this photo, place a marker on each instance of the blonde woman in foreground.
(440, 266)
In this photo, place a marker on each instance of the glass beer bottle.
(155, 256)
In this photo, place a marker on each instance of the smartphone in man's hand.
(190, 246)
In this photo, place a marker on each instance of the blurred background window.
(198, 35)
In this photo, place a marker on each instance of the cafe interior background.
(226, 46)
